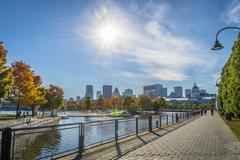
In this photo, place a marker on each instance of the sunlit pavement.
(207, 137)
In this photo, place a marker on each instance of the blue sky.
(69, 42)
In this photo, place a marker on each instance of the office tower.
(99, 93)
(107, 91)
(178, 91)
(78, 99)
(153, 91)
(116, 92)
(89, 91)
(188, 93)
(164, 92)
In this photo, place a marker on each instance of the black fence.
(55, 141)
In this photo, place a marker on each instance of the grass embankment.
(6, 116)
(234, 125)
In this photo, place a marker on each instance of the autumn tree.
(23, 89)
(5, 73)
(128, 103)
(54, 97)
(159, 103)
(115, 101)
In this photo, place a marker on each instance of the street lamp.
(218, 45)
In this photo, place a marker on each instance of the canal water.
(54, 141)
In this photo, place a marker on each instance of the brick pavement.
(206, 138)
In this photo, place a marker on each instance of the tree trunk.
(52, 112)
(43, 109)
(17, 111)
(33, 111)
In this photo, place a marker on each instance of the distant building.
(71, 99)
(203, 93)
(188, 93)
(172, 95)
(99, 93)
(78, 99)
(116, 92)
(164, 92)
(107, 91)
(195, 91)
(153, 91)
(89, 91)
(127, 92)
(178, 91)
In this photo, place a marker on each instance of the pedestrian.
(205, 112)
(212, 111)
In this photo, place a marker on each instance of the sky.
(124, 43)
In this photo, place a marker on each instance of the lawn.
(235, 126)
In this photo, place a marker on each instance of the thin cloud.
(233, 13)
(151, 46)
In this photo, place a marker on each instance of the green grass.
(117, 113)
(7, 115)
(234, 125)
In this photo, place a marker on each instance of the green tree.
(54, 97)
(5, 73)
(229, 87)
(88, 102)
(100, 102)
(129, 104)
(145, 103)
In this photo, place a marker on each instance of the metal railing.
(55, 141)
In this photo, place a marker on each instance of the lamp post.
(218, 45)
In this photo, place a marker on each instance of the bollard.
(150, 123)
(116, 130)
(81, 140)
(176, 118)
(136, 125)
(157, 124)
(160, 121)
(6, 144)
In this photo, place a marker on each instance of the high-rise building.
(164, 92)
(78, 99)
(99, 93)
(116, 92)
(153, 90)
(188, 93)
(71, 99)
(89, 91)
(178, 91)
(195, 91)
(127, 92)
(107, 91)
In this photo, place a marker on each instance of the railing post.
(6, 144)
(160, 121)
(150, 123)
(167, 119)
(116, 130)
(176, 118)
(81, 140)
(172, 118)
(136, 125)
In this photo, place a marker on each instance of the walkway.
(206, 138)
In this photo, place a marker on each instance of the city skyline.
(121, 91)
(75, 50)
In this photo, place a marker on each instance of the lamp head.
(217, 46)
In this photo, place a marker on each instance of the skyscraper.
(164, 92)
(89, 91)
(153, 90)
(107, 91)
(116, 92)
(188, 93)
(99, 93)
(178, 91)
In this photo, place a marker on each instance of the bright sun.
(108, 35)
